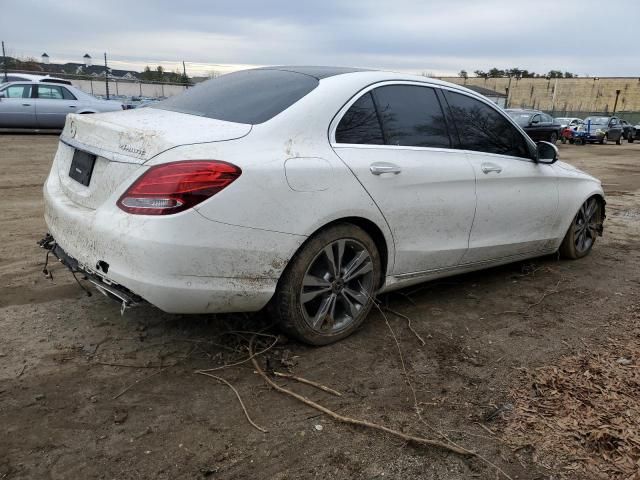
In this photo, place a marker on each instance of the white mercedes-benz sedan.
(307, 190)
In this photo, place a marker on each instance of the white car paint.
(441, 215)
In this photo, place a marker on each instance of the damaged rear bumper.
(183, 263)
(109, 289)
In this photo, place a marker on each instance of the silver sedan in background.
(42, 105)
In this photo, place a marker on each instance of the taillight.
(177, 186)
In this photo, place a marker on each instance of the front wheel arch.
(602, 203)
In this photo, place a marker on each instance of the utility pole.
(184, 75)
(106, 74)
(615, 105)
(4, 62)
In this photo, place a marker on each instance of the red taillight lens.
(177, 186)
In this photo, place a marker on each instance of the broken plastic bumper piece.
(109, 289)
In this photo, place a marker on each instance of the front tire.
(584, 229)
(327, 289)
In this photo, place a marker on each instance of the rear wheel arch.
(371, 229)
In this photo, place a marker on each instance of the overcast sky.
(438, 36)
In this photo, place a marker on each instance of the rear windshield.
(249, 96)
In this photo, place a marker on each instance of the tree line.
(159, 74)
(516, 73)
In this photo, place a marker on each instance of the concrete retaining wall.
(98, 87)
(565, 94)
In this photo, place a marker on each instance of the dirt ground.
(87, 393)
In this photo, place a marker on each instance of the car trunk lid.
(121, 142)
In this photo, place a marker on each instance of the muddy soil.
(87, 393)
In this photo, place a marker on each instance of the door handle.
(378, 168)
(26, 104)
(72, 106)
(491, 167)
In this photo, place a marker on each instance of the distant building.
(87, 60)
(498, 98)
(45, 58)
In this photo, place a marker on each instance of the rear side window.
(50, 92)
(67, 94)
(411, 116)
(250, 96)
(18, 91)
(360, 124)
(481, 128)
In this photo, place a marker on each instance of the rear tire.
(583, 231)
(553, 138)
(319, 303)
(604, 140)
(619, 140)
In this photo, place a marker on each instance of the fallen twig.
(397, 314)
(140, 380)
(244, 409)
(128, 365)
(349, 420)
(144, 379)
(240, 362)
(530, 306)
(308, 382)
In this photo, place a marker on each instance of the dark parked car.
(629, 132)
(537, 124)
(603, 129)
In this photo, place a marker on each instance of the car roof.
(522, 110)
(318, 72)
(370, 76)
(28, 77)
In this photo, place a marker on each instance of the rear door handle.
(378, 168)
(26, 104)
(491, 167)
(72, 106)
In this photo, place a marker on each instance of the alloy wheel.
(585, 225)
(337, 286)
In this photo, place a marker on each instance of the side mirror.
(546, 152)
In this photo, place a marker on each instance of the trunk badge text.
(130, 149)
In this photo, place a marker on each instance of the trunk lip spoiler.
(102, 152)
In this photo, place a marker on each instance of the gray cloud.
(438, 36)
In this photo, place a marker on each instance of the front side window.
(50, 92)
(411, 116)
(17, 91)
(360, 125)
(483, 129)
